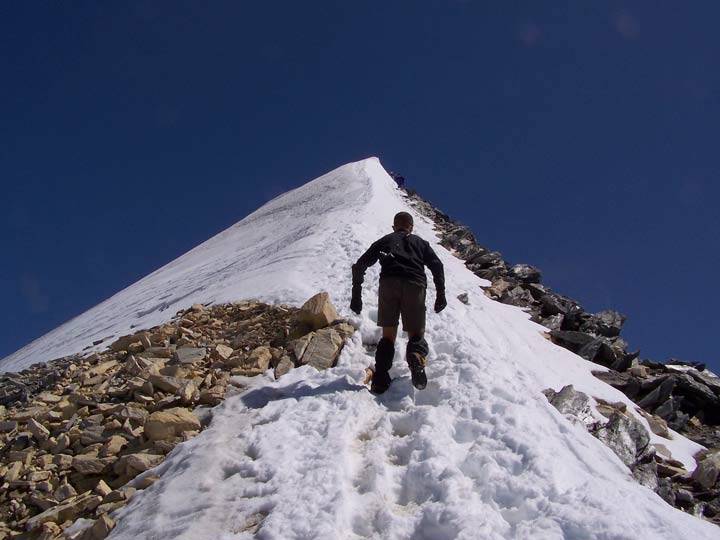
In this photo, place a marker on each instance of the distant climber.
(403, 257)
(399, 180)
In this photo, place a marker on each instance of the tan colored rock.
(285, 365)
(113, 445)
(213, 395)
(298, 346)
(89, 464)
(257, 362)
(102, 368)
(498, 287)
(102, 489)
(317, 312)
(133, 464)
(165, 383)
(66, 511)
(188, 393)
(39, 431)
(707, 471)
(38, 476)
(170, 423)
(221, 353)
(323, 350)
(49, 397)
(100, 529)
(13, 471)
(123, 343)
(63, 461)
(64, 491)
(146, 481)
(49, 531)
(344, 329)
(640, 371)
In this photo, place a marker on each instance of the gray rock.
(659, 395)
(190, 355)
(574, 405)
(525, 273)
(627, 437)
(323, 349)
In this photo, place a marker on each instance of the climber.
(403, 257)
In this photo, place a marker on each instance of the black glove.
(440, 302)
(356, 300)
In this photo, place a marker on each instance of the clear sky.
(581, 137)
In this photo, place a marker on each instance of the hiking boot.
(417, 351)
(416, 362)
(383, 362)
(380, 382)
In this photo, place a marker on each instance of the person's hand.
(356, 300)
(440, 302)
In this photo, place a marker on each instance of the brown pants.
(400, 297)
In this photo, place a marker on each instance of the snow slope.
(479, 454)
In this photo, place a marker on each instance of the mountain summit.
(480, 453)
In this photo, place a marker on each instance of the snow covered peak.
(284, 252)
(478, 454)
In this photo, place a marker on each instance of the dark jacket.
(404, 255)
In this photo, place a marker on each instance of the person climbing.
(403, 257)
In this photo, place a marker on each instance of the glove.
(356, 300)
(440, 302)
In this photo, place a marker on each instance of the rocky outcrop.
(79, 435)
(651, 465)
(688, 401)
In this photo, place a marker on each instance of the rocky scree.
(80, 435)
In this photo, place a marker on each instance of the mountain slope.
(479, 454)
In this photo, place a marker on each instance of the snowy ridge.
(479, 454)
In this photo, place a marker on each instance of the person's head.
(403, 222)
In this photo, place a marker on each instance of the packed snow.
(479, 454)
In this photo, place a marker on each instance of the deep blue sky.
(581, 137)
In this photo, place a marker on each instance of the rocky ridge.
(80, 435)
(678, 395)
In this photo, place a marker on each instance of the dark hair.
(403, 220)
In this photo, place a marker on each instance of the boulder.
(318, 312)
(170, 423)
(627, 437)
(517, 297)
(570, 339)
(706, 473)
(298, 346)
(659, 395)
(607, 323)
(574, 405)
(525, 273)
(323, 349)
(600, 352)
(463, 297)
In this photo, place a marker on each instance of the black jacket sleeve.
(367, 259)
(430, 259)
